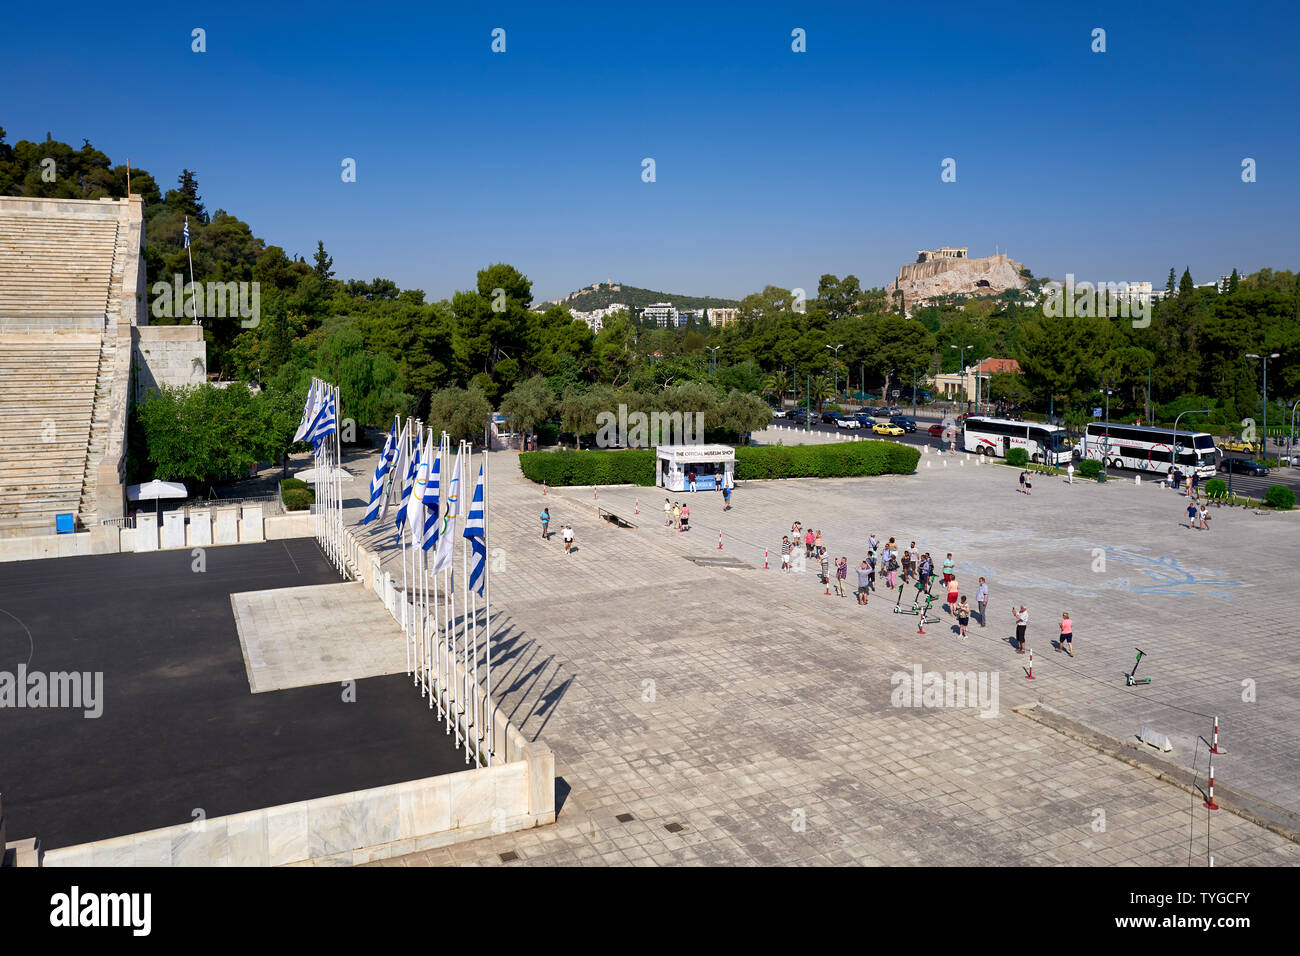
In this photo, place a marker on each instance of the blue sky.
(772, 166)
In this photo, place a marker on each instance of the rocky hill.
(944, 277)
(601, 295)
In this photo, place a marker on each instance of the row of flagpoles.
(442, 647)
(320, 426)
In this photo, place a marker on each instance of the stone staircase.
(99, 429)
(56, 272)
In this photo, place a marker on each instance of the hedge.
(1279, 496)
(297, 499)
(637, 466)
(1088, 467)
(1017, 457)
(631, 466)
(1216, 486)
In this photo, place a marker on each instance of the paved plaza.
(733, 715)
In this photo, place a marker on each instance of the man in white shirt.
(1069, 470)
(1022, 622)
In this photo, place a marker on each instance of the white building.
(661, 313)
(722, 316)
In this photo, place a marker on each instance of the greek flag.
(475, 531)
(308, 414)
(431, 502)
(377, 496)
(407, 484)
(326, 422)
(187, 232)
(420, 496)
(446, 535)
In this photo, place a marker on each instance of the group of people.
(899, 566)
(566, 531)
(677, 515)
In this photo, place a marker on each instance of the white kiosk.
(712, 464)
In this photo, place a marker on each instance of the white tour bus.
(1142, 448)
(996, 436)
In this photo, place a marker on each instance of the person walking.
(926, 571)
(982, 602)
(871, 571)
(546, 524)
(818, 544)
(1069, 471)
(873, 544)
(841, 575)
(1196, 485)
(952, 596)
(726, 498)
(809, 542)
(963, 617)
(1022, 482)
(1191, 515)
(891, 567)
(568, 539)
(1022, 624)
(1205, 517)
(785, 552)
(686, 518)
(948, 566)
(668, 513)
(865, 576)
(1066, 641)
(826, 565)
(677, 516)
(1187, 483)
(690, 476)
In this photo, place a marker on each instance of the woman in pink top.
(1067, 634)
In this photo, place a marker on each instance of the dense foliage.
(1279, 496)
(1017, 457)
(847, 460)
(634, 466)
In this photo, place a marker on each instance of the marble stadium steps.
(47, 401)
(54, 268)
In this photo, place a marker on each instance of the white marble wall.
(173, 529)
(250, 526)
(146, 532)
(227, 526)
(200, 528)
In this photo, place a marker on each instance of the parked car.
(903, 422)
(894, 410)
(847, 421)
(1239, 444)
(798, 415)
(830, 418)
(1243, 466)
(885, 428)
(937, 431)
(865, 420)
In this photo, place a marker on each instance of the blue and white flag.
(407, 485)
(420, 496)
(308, 414)
(326, 422)
(432, 501)
(187, 232)
(475, 531)
(377, 496)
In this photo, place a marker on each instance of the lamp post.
(961, 363)
(713, 357)
(835, 369)
(1263, 442)
(1291, 443)
(1173, 451)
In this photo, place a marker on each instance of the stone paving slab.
(756, 714)
(299, 637)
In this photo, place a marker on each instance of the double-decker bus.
(1142, 448)
(1045, 444)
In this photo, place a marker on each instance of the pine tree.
(324, 263)
(1185, 284)
(1169, 285)
(1232, 282)
(187, 199)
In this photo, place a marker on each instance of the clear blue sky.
(772, 166)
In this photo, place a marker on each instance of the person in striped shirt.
(785, 553)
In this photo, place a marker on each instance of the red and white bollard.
(719, 540)
(543, 489)
(765, 567)
(1214, 747)
(637, 510)
(828, 585)
(593, 492)
(920, 623)
(1210, 804)
(1030, 675)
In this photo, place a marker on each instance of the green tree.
(529, 404)
(324, 263)
(460, 412)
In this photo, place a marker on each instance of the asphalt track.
(180, 730)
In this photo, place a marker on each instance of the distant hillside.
(606, 294)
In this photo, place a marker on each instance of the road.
(1241, 484)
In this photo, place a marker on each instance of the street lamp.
(1263, 443)
(835, 369)
(1292, 441)
(1173, 451)
(961, 363)
(713, 358)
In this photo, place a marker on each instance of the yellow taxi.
(885, 428)
(1239, 444)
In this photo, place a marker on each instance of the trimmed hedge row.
(296, 494)
(840, 460)
(630, 466)
(637, 466)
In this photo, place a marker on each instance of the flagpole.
(449, 636)
(464, 627)
(194, 286)
(487, 617)
(398, 473)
